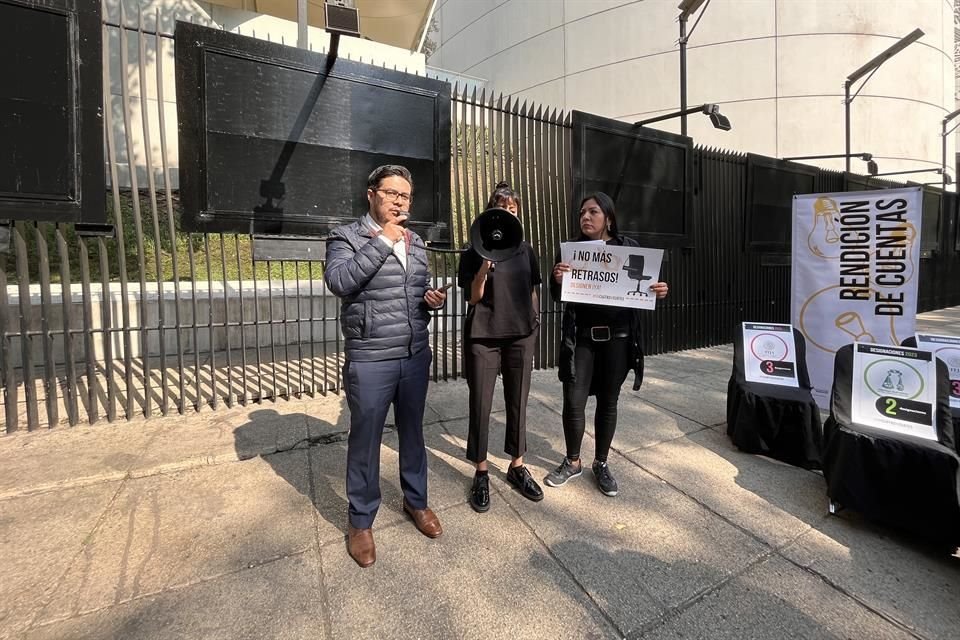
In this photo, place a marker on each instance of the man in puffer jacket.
(379, 271)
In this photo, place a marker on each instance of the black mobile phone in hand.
(445, 287)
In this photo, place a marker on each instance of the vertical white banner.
(855, 269)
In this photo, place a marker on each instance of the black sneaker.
(480, 493)
(520, 478)
(566, 471)
(605, 479)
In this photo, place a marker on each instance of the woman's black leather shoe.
(480, 493)
(525, 484)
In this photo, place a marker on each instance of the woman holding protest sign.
(598, 347)
(500, 335)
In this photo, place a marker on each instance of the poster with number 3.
(947, 348)
(770, 354)
(895, 389)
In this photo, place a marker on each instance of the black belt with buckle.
(603, 334)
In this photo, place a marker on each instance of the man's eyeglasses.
(393, 196)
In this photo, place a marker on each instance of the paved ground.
(231, 524)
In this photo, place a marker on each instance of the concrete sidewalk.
(231, 524)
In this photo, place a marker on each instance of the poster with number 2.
(895, 389)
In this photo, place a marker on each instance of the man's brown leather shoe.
(361, 547)
(425, 520)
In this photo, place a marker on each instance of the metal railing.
(495, 139)
(155, 320)
(152, 320)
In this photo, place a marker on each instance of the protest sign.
(610, 275)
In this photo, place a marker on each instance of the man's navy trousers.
(371, 388)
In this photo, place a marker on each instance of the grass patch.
(153, 252)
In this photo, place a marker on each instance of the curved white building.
(776, 67)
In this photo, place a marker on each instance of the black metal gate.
(155, 320)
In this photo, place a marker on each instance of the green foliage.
(230, 256)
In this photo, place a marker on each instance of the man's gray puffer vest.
(382, 311)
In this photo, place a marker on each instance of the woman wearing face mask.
(500, 334)
(599, 345)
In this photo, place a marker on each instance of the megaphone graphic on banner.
(496, 234)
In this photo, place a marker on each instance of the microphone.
(402, 217)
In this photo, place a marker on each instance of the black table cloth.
(904, 481)
(776, 421)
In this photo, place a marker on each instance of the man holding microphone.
(379, 271)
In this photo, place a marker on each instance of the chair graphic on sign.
(634, 269)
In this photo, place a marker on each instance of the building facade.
(776, 67)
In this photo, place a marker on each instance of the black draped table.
(776, 421)
(907, 482)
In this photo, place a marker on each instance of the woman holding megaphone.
(599, 345)
(500, 335)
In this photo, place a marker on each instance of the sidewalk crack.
(675, 611)
(903, 626)
(87, 541)
(771, 551)
(566, 570)
(318, 546)
(676, 413)
(168, 589)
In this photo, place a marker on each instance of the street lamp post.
(302, 37)
(910, 171)
(683, 73)
(718, 120)
(871, 68)
(687, 8)
(943, 135)
(866, 157)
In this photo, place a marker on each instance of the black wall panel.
(647, 172)
(953, 212)
(930, 220)
(275, 139)
(771, 185)
(51, 121)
